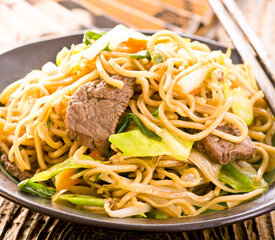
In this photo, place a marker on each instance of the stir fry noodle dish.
(130, 125)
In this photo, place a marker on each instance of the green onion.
(83, 200)
(141, 54)
(240, 178)
(12, 178)
(98, 177)
(156, 113)
(157, 58)
(107, 48)
(49, 122)
(125, 122)
(92, 35)
(36, 189)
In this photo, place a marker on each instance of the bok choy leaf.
(36, 189)
(54, 170)
(241, 178)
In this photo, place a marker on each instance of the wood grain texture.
(18, 223)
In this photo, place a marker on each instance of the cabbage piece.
(125, 122)
(134, 143)
(242, 106)
(192, 80)
(61, 55)
(114, 37)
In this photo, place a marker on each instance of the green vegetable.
(241, 106)
(59, 167)
(36, 189)
(82, 200)
(157, 58)
(141, 54)
(156, 113)
(12, 178)
(92, 35)
(157, 214)
(49, 122)
(54, 170)
(125, 122)
(107, 48)
(241, 178)
(269, 177)
(140, 216)
(98, 177)
(135, 143)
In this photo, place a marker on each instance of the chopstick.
(244, 48)
(256, 43)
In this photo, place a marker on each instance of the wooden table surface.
(20, 223)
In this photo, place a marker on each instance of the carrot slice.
(63, 179)
(195, 91)
(95, 154)
(136, 44)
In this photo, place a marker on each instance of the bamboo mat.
(59, 17)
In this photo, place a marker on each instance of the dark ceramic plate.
(15, 63)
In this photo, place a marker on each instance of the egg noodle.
(192, 89)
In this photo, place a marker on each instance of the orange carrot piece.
(95, 154)
(136, 44)
(63, 179)
(162, 40)
(195, 91)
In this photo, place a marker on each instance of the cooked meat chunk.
(94, 109)
(223, 151)
(14, 170)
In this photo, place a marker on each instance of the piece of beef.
(94, 109)
(14, 170)
(223, 151)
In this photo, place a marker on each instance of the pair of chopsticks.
(248, 45)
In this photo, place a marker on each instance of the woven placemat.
(20, 223)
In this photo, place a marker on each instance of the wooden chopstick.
(264, 55)
(245, 50)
